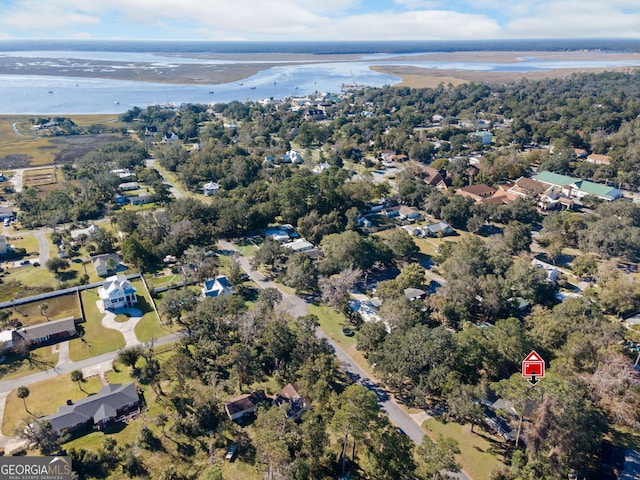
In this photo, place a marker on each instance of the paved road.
(16, 178)
(297, 306)
(151, 163)
(8, 385)
(43, 246)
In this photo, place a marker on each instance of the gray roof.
(100, 406)
(42, 330)
(412, 293)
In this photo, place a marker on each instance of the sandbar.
(241, 66)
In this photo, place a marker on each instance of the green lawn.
(28, 242)
(332, 322)
(44, 399)
(97, 339)
(150, 326)
(163, 280)
(173, 180)
(63, 306)
(43, 358)
(32, 276)
(246, 249)
(477, 459)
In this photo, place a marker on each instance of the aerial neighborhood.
(192, 277)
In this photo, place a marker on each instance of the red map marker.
(533, 367)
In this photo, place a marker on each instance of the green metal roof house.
(577, 188)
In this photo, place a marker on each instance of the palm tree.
(23, 392)
(44, 310)
(77, 376)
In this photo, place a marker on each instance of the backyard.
(54, 308)
(481, 450)
(96, 339)
(44, 399)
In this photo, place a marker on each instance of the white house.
(278, 234)
(299, 245)
(292, 157)
(89, 232)
(321, 167)
(117, 292)
(217, 287)
(127, 186)
(210, 188)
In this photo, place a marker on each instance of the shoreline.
(241, 66)
(417, 77)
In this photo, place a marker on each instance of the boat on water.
(117, 102)
(50, 91)
(211, 92)
(253, 88)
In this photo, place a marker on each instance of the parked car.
(231, 451)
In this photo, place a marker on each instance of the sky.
(309, 20)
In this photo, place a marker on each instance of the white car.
(231, 451)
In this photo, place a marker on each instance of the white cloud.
(46, 17)
(325, 20)
(578, 19)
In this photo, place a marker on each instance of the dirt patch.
(15, 161)
(77, 146)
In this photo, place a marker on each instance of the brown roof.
(479, 190)
(289, 393)
(598, 158)
(499, 198)
(529, 185)
(406, 210)
(245, 402)
(580, 152)
(431, 175)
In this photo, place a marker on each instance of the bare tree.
(335, 290)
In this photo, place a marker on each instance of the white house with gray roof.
(117, 292)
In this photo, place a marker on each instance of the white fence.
(57, 293)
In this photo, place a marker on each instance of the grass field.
(28, 242)
(44, 399)
(29, 148)
(31, 276)
(59, 307)
(332, 322)
(478, 459)
(149, 327)
(97, 339)
(15, 368)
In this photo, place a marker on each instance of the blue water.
(47, 95)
